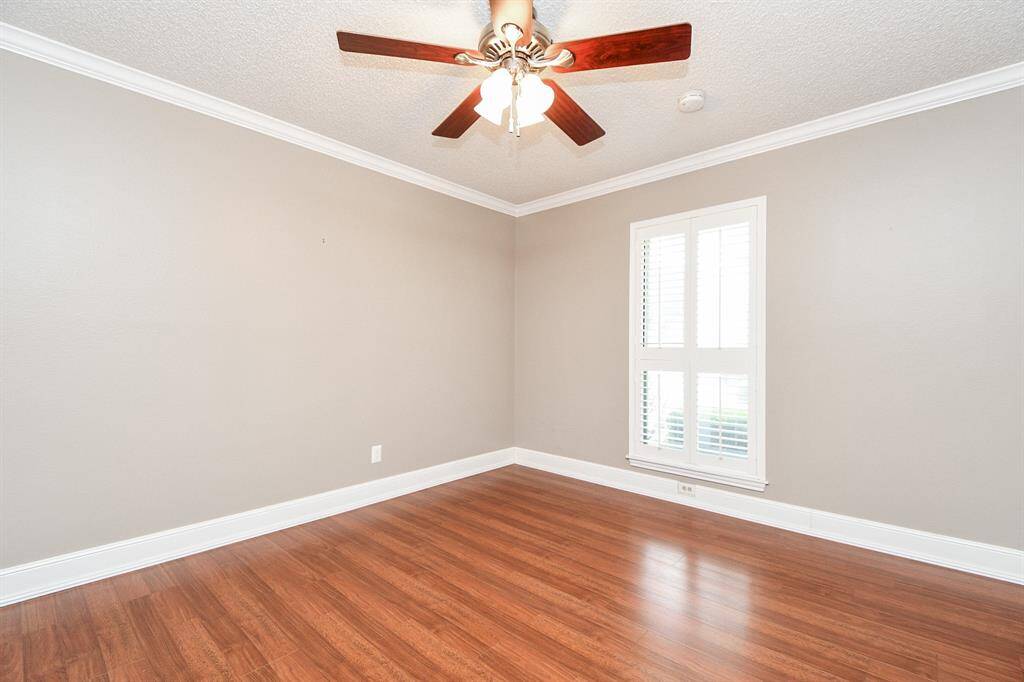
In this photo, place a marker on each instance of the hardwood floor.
(519, 574)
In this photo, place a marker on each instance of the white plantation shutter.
(723, 286)
(663, 285)
(722, 408)
(662, 411)
(696, 349)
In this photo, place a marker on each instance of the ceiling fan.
(515, 48)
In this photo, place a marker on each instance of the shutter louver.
(663, 283)
(723, 287)
(661, 409)
(722, 414)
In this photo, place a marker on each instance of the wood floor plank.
(12, 661)
(836, 659)
(157, 642)
(518, 574)
(867, 600)
(490, 572)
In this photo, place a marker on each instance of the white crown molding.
(37, 578)
(50, 51)
(1003, 78)
(44, 49)
(1002, 563)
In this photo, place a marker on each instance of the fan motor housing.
(494, 47)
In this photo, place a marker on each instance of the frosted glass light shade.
(528, 119)
(534, 99)
(496, 95)
(490, 111)
(497, 89)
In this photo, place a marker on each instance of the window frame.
(753, 475)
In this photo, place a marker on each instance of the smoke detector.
(691, 101)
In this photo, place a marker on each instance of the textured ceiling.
(765, 65)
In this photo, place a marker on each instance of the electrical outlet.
(375, 453)
(687, 490)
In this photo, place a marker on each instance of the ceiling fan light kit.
(516, 48)
(523, 94)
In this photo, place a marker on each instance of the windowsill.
(735, 479)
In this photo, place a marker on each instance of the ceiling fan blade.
(461, 119)
(568, 116)
(647, 46)
(518, 12)
(392, 47)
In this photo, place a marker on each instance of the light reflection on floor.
(680, 585)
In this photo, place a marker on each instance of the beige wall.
(894, 340)
(178, 341)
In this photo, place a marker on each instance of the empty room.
(511, 340)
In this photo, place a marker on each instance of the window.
(697, 344)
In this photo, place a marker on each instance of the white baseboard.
(37, 578)
(1002, 563)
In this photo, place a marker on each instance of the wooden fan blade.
(459, 120)
(568, 116)
(392, 47)
(518, 12)
(647, 46)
